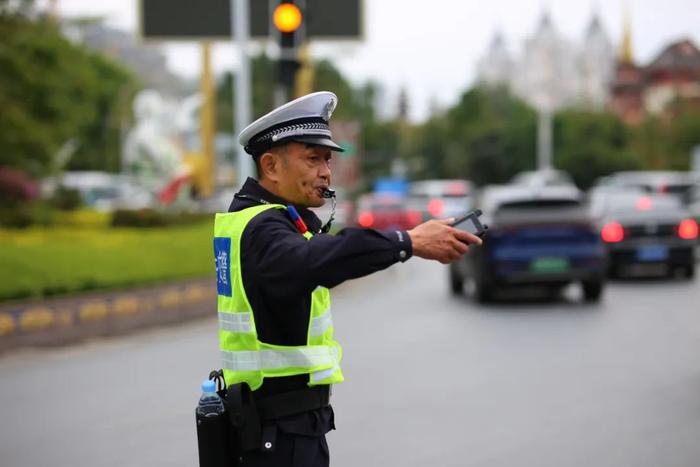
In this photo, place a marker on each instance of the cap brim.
(319, 141)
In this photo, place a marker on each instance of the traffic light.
(288, 20)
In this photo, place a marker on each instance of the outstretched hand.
(438, 240)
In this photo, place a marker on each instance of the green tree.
(428, 154)
(262, 70)
(52, 91)
(589, 145)
(487, 137)
(354, 104)
(329, 78)
(100, 139)
(380, 139)
(685, 136)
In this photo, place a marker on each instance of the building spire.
(626, 53)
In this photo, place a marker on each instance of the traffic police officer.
(274, 269)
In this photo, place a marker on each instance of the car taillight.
(436, 207)
(688, 229)
(365, 219)
(612, 232)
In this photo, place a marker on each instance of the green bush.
(45, 214)
(39, 262)
(66, 199)
(15, 218)
(26, 215)
(152, 218)
(138, 218)
(188, 218)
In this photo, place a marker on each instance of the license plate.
(550, 265)
(652, 253)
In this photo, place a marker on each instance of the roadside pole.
(544, 139)
(207, 125)
(242, 94)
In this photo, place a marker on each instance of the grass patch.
(39, 262)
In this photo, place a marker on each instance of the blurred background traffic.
(102, 129)
(574, 127)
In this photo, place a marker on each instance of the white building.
(496, 68)
(551, 71)
(596, 67)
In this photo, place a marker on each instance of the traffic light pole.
(290, 29)
(286, 69)
(288, 64)
(242, 94)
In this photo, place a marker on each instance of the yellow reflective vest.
(245, 358)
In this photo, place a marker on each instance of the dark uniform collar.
(253, 194)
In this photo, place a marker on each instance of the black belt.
(293, 402)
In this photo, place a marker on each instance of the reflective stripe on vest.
(243, 322)
(323, 374)
(236, 322)
(320, 324)
(309, 357)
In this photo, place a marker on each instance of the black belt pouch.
(213, 441)
(244, 420)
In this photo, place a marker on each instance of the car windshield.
(379, 207)
(440, 188)
(424, 196)
(380, 204)
(544, 178)
(540, 203)
(540, 208)
(665, 182)
(627, 202)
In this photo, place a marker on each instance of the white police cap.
(304, 120)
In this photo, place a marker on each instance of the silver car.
(439, 199)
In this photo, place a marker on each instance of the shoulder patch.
(222, 260)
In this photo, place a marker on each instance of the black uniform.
(280, 270)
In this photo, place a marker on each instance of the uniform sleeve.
(285, 257)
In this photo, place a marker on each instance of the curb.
(64, 320)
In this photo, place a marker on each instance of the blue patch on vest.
(222, 259)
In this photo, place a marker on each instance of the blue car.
(537, 236)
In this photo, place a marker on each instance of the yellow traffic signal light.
(287, 17)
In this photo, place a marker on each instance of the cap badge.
(327, 110)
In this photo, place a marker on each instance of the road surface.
(430, 380)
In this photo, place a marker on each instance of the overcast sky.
(431, 47)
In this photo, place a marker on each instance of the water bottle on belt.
(212, 429)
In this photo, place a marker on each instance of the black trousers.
(292, 450)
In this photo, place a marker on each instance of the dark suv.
(540, 236)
